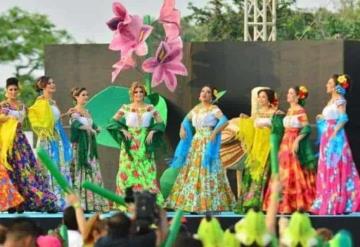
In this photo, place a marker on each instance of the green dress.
(86, 164)
(137, 168)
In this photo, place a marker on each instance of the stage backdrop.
(233, 66)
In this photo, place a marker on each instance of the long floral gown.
(87, 167)
(337, 181)
(198, 188)
(296, 171)
(137, 167)
(26, 172)
(52, 138)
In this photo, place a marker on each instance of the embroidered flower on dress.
(349, 205)
(350, 185)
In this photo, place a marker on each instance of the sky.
(85, 19)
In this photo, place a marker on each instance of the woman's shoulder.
(299, 110)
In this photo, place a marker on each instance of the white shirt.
(75, 239)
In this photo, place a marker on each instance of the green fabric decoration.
(305, 153)
(104, 105)
(86, 144)
(167, 180)
(341, 239)
(49, 164)
(104, 193)
(114, 129)
(157, 141)
(63, 231)
(229, 239)
(252, 229)
(277, 132)
(115, 126)
(210, 233)
(174, 229)
(300, 231)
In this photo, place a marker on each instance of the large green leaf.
(104, 104)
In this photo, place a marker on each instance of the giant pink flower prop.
(170, 18)
(132, 37)
(166, 65)
(121, 17)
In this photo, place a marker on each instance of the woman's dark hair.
(42, 82)
(12, 81)
(76, 91)
(212, 89)
(70, 218)
(270, 94)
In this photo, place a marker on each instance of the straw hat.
(231, 151)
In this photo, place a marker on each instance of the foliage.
(224, 20)
(23, 37)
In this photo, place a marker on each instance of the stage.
(349, 222)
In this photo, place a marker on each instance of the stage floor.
(350, 222)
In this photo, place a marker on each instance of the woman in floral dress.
(83, 138)
(45, 119)
(337, 181)
(137, 127)
(25, 172)
(297, 163)
(254, 134)
(201, 184)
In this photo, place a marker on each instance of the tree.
(221, 20)
(23, 37)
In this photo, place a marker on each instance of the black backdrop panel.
(233, 66)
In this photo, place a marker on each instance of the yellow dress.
(254, 134)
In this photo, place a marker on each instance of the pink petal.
(172, 31)
(162, 46)
(122, 41)
(170, 17)
(146, 31)
(169, 13)
(157, 77)
(150, 64)
(170, 80)
(175, 43)
(134, 27)
(115, 43)
(174, 55)
(113, 23)
(120, 11)
(126, 62)
(141, 49)
(176, 68)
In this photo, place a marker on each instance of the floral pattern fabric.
(137, 167)
(337, 182)
(10, 197)
(298, 183)
(196, 188)
(28, 177)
